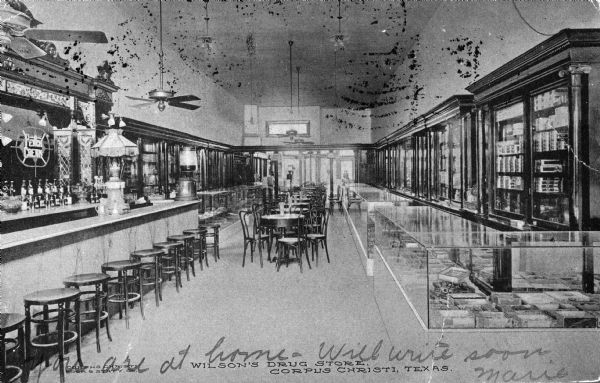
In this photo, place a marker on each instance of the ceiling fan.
(161, 96)
(18, 26)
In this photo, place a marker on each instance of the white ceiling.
(379, 37)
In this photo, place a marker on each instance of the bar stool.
(199, 244)
(62, 299)
(98, 297)
(172, 257)
(123, 280)
(10, 322)
(151, 259)
(212, 234)
(188, 251)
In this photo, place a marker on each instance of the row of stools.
(86, 298)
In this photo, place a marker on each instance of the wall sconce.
(43, 120)
(6, 117)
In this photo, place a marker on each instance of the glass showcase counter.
(459, 274)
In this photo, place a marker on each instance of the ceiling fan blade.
(64, 35)
(143, 105)
(189, 97)
(26, 48)
(184, 106)
(140, 99)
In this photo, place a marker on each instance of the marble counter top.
(38, 234)
(6, 218)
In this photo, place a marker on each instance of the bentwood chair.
(293, 245)
(319, 237)
(252, 236)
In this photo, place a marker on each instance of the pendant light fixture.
(291, 79)
(250, 45)
(298, 87)
(338, 38)
(206, 41)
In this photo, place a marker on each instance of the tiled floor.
(297, 317)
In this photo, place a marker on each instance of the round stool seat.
(167, 245)
(147, 253)
(210, 225)
(180, 237)
(99, 311)
(11, 321)
(51, 339)
(121, 265)
(51, 296)
(61, 336)
(85, 279)
(195, 231)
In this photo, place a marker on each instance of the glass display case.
(510, 198)
(550, 126)
(475, 277)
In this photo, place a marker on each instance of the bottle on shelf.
(69, 198)
(39, 189)
(23, 190)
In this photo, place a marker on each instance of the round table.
(280, 221)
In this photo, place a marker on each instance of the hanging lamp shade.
(113, 144)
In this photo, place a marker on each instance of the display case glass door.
(172, 166)
(455, 162)
(150, 167)
(471, 195)
(550, 130)
(422, 168)
(408, 165)
(510, 180)
(440, 188)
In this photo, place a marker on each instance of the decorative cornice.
(447, 109)
(565, 39)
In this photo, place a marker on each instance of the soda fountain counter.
(42, 257)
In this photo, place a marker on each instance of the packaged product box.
(562, 116)
(457, 318)
(593, 297)
(532, 319)
(453, 274)
(470, 303)
(535, 298)
(597, 315)
(505, 299)
(490, 319)
(515, 308)
(567, 296)
(588, 306)
(575, 319)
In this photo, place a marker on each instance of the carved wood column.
(63, 147)
(86, 137)
(578, 133)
